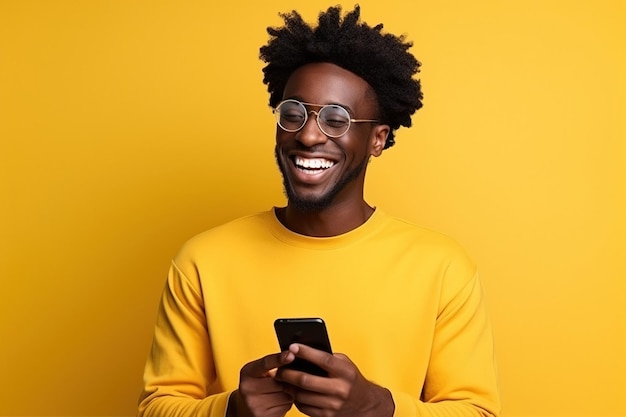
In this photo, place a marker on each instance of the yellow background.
(128, 126)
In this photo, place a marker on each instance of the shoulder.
(428, 247)
(227, 235)
(411, 233)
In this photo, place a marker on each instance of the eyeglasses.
(332, 119)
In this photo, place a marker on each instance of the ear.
(378, 139)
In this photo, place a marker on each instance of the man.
(402, 304)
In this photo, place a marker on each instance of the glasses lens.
(291, 115)
(334, 120)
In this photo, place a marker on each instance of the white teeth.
(315, 163)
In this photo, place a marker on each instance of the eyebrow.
(345, 106)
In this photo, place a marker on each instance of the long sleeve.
(461, 378)
(179, 375)
(406, 306)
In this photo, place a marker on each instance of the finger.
(262, 367)
(310, 410)
(325, 360)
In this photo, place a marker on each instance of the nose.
(311, 134)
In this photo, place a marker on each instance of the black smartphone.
(307, 331)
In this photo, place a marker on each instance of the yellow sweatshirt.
(404, 303)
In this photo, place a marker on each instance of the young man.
(402, 304)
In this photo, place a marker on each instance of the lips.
(312, 165)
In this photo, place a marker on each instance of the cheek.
(282, 137)
(355, 147)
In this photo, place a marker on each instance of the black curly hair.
(381, 59)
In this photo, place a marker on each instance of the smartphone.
(307, 331)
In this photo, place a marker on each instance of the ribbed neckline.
(280, 232)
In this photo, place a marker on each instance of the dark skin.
(336, 195)
(324, 83)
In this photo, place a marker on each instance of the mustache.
(298, 146)
(312, 149)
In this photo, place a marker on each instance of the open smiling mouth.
(312, 165)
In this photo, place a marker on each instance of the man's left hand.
(344, 393)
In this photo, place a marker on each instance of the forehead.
(325, 83)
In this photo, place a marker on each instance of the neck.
(328, 222)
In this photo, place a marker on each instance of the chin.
(309, 204)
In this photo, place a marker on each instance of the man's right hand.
(259, 394)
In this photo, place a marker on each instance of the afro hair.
(381, 59)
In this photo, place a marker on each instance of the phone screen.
(307, 331)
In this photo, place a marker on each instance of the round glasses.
(332, 119)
